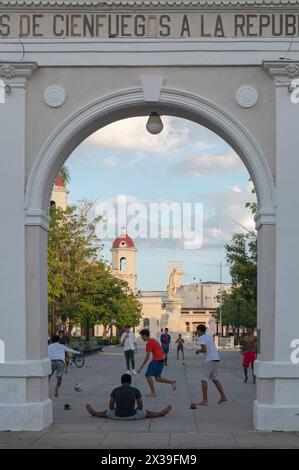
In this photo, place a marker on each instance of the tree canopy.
(81, 286)
(239, 306)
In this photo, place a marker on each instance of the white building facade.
(68, 69)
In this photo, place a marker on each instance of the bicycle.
(77, 359)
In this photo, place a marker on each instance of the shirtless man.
(249, 353)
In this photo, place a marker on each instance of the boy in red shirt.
(156, 365)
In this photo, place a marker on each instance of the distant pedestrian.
(210, 367)
(64, 338)
(130, 348)
(165, 340)
(249, 353)
(156, 365)
(122, 404)
(56, 353)
(180, 347)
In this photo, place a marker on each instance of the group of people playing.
(165, 340)
(126, 401)
(130, 347)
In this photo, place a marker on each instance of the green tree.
(65, 174)
(239, 306)
(82, 289)
(241, 256)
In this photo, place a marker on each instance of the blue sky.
(186, 163)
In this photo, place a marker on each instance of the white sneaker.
(128, 372)
(134, 372)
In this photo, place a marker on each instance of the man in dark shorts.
(122, 404)
(249, 353)
(180, 347)
(165, 340)
(156, 365)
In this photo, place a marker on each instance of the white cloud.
(199, 165)
(229, 215)
(111, 162)
(131, 134)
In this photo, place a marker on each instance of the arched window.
(123, 265)
(146, 323)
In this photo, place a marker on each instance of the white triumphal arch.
(70, 68)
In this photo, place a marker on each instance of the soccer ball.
(77, 388)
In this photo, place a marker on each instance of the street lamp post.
(238, 318)
(112, 310)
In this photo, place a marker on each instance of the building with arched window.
(124, 259)
(197, 302)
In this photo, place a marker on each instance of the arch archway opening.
(76, 129)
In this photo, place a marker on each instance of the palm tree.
(65, 174)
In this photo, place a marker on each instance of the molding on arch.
(129, 103)
(151, 3)
(264, 217)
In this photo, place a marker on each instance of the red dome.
(123, 241)
(59, 181)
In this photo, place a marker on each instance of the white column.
(24, 402)
(277, 405)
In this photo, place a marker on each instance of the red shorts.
(249, 358)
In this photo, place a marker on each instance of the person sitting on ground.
(122, 404)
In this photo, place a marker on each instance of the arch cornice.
(150, 3)
(129, 103)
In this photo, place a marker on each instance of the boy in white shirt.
(56, 353)
(129, 343)
(212, 359)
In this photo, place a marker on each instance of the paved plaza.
(217, 426)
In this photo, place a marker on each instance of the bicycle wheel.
(79, 360)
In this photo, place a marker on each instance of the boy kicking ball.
(156, 365)
(210, 368)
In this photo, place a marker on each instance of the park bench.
(88, 346)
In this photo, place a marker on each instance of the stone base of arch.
(277, 405)
(275, 417)
(24, 400)
(26, 417)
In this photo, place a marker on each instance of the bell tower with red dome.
(59, 193)
(124, 259)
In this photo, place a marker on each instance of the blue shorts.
(154, 369)
(165, 348)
